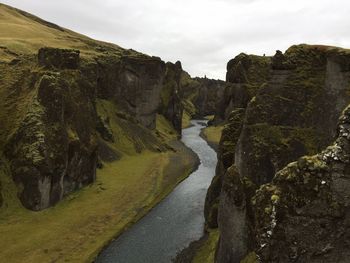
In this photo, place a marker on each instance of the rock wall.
(210, 93)
(134, 82)
(245, 75)
(293, 114)
(304, 214)
(201, 96)
(172, 95)
(54, 139)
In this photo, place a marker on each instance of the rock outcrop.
(54, 58)
(245, 75)
(201, 96)
(54, 150)
(172, 95)
(303, 215)
(134, 82)
(56, 131)
(210, 94)
(293, 113)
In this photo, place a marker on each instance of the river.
(176, 221)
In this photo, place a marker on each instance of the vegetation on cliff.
(71, 105)
(294, 112)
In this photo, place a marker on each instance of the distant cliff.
(282, 108)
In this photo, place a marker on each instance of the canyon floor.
(83, 223)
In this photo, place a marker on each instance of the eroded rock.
(303, 215)
(56, 58)
(54, 151)
(290, 116)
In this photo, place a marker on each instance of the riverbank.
(212, 135)
(81, 225)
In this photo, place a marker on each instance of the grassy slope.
(24, 33)
(206, 253)
(212, 135)
(79, 226)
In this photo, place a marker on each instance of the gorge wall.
(289, 111)
(73, 103)
(53, 144)
(65, 110)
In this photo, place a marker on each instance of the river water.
(176, 221)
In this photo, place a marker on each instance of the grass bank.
(212, 135)
(82, 224)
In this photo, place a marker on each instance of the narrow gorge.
(108, 154)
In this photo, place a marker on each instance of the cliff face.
(64, 110)
(245, 74)
(210, 93)
(53, 150)
(134, 82)
(293, 114)
(303, 215)
(172, 95)
(201, 96)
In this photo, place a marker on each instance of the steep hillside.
(294, 112)
(70, 101)
(78, 112)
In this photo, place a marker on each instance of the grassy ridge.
(24, 33)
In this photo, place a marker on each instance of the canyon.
(90, 142)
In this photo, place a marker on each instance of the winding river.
(176, 221)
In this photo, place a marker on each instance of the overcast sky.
(203, 34)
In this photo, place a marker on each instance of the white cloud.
(203, 34)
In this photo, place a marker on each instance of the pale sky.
(203, 34)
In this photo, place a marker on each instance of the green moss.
(186, 120)
(164, 128)
(124, 143)
(167, 92)
(206, 253)
(9, 190)
(251, 258)
(275, 198)
(213, 134)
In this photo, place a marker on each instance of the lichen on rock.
(286, 119)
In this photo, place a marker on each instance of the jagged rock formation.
(245, 74)
(171, 96)
(210, 93)
(293, 114)
(303, 215)
(53, 151)
(201, 96)
(64, 110)
(134, 82)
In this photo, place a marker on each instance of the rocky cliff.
(172, 95)
(201, 96)
(210, 94)
(68, 107)
(245, 75)
(293, 113)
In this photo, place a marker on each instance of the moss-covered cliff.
(293, 112)
(70, 103)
